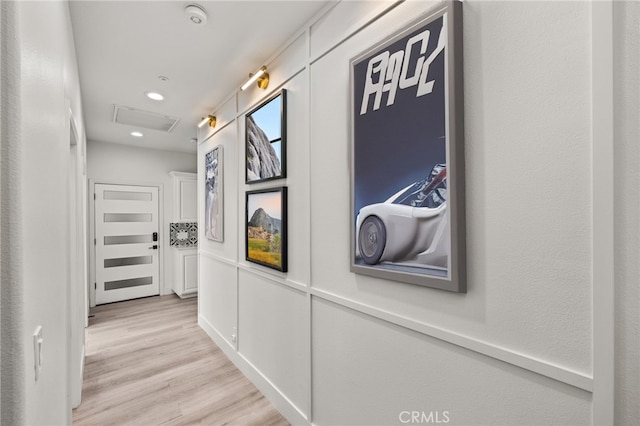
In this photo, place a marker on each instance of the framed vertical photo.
(213, 196)
(266, 139)
(407, 155)
(266, 228)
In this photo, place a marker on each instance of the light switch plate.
(37, 351)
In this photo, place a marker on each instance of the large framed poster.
(214, 198)
(407, 155)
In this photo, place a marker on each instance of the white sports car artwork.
(410, 228)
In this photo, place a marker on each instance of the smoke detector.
(196, 14)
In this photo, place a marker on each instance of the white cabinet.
(184, 232)
(187, 271)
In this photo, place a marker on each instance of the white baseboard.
(76, 394)
(272, 393)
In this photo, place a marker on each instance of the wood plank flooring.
(149, 363)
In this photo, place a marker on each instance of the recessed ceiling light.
(154, 95)
(137, 134)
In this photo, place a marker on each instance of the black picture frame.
(265, 232)
(407, 155)
(266, 140)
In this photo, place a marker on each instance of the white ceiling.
(124, 46)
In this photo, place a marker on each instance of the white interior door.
(126, 229)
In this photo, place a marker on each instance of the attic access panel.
(145, 119)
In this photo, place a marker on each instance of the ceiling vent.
(146, 119)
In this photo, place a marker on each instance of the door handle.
(154, 247)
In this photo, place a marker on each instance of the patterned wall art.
(183, 234)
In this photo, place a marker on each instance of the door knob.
(154, 247)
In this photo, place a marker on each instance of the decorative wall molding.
(217, 130)
(559, 373)
(603, 187)
(295, 285)
(384, 8)
(268, 388)
(556, 372)
(277, 280)
(221, 259)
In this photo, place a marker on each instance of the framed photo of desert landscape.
(266, 139)
(266, 228)
(407, 155)
(213, 195)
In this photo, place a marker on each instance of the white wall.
(627, 210)
(39, 79)
(113, 163)
(77, 219)
(331, 347)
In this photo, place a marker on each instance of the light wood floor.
(148, 363)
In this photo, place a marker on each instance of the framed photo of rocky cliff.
(213, 196)
(266, 139)
(266, 227)
(407, 155)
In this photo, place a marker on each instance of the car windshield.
(430, 192)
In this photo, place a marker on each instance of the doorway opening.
(126, 245)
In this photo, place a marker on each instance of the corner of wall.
(12, 389)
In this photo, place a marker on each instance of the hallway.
(148, 363)
(451, 185)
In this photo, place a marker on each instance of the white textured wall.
(528, 207)
(39, 58)
(627, 210)
(113, 163)
(335, 348)
(12, 390)
(218, 292)
(369, 372)
(528, 260)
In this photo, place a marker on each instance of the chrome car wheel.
(372, 239)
